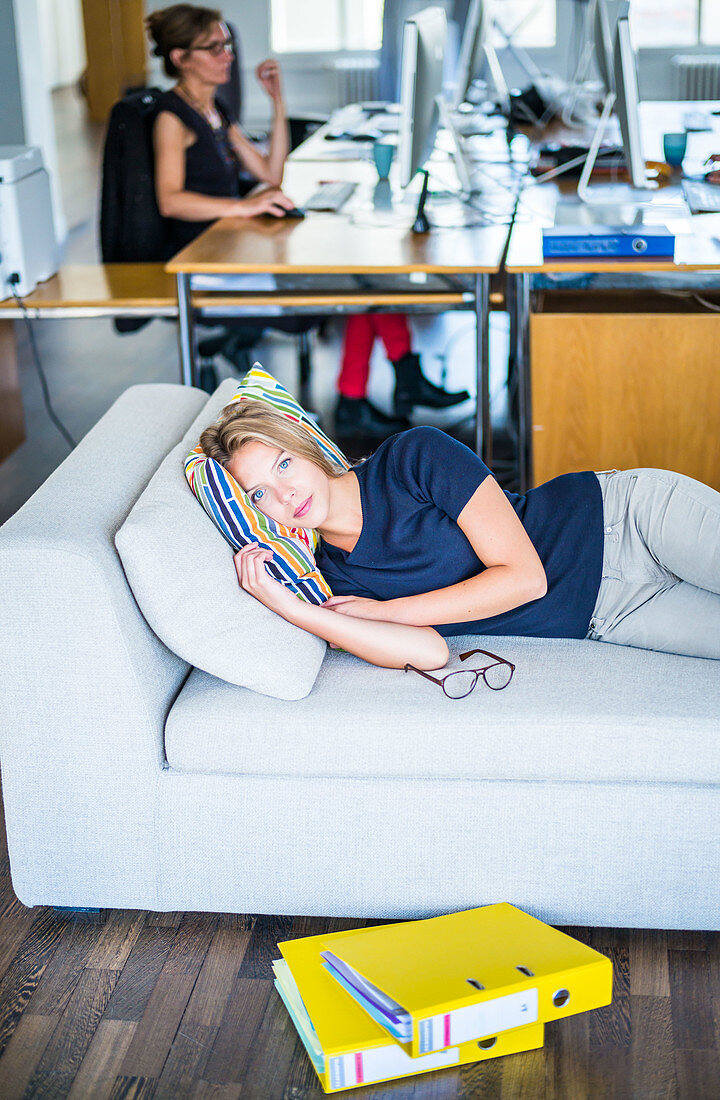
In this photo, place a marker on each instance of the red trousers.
(360, 333)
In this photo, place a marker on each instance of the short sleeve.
(437, 468)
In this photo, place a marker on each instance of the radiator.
(697, 77)
(356, 80)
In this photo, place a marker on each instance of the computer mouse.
(294, 212)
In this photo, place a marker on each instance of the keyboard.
(330, 196)
(702, 198)
(471, 123)
(697, 121)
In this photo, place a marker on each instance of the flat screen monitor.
(423, 50)
(627, 104)
(472, 49)
(603, 46)
(478, 52)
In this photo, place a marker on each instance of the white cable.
(692, 295)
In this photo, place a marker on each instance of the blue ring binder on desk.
(608, 242)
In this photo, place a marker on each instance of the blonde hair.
(177, 27)
(252, 421)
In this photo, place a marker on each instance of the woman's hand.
(388, 644)
(255, 579)
(268, 77)
(272, 201)
(359, 607)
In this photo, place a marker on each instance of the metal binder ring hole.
(475, 983)
(526, 970)
(561, 998)
(486, 1044)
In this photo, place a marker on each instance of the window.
(326, 25)
(335, 25)
(670, 23)
(530, 22)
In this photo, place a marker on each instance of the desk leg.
(305, 369)
(483, 425)
(12, 423)
(520, 350)
(186, 336)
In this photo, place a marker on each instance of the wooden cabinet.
(12, 422)
(116, 52)
(619, 390)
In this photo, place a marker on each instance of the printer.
(28, 248)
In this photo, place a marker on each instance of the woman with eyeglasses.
(419, 542)
(198, 150)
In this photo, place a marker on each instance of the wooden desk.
(82, 290)
(364, 239)
(626, 375)
(100, 290)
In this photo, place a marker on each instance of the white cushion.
(181, 572)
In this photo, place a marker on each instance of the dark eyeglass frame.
(216, 49)
(440, 680)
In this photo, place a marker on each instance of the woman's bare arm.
(514, 574)
(170, 140)
(388, 644)
(268, 167)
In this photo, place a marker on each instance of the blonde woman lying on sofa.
(419, 542)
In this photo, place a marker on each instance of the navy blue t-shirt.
(414, 487)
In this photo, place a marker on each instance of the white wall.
(62, 41)
(38, 122)
(309, 81)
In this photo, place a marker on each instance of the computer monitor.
(627, 104)
(423, 50)
(472, 49)
(603, 45)
(476, 52)
(626, 101)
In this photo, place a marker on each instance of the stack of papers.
(373, 1004)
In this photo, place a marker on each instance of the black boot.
(413, 388)
(356, 416)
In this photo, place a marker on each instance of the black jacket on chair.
(131, 228)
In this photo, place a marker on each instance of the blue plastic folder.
(643, 242)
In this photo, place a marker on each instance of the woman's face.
(209, 57)
(290, 490)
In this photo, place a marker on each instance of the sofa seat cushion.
(576, 711)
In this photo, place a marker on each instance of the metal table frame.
(478, 299)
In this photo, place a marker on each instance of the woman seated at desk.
(199, 152)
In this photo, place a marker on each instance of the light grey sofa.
(587, 793)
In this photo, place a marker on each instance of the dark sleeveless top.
(211, 167)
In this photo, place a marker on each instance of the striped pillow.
(230, 509)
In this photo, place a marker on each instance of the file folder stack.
(373, 1004)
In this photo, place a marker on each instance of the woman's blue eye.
(257, 495)
(283, 463)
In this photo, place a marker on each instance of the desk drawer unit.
(621, 390)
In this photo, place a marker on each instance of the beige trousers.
(660, 586)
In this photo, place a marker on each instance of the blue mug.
(383, 154)
(674, 146)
